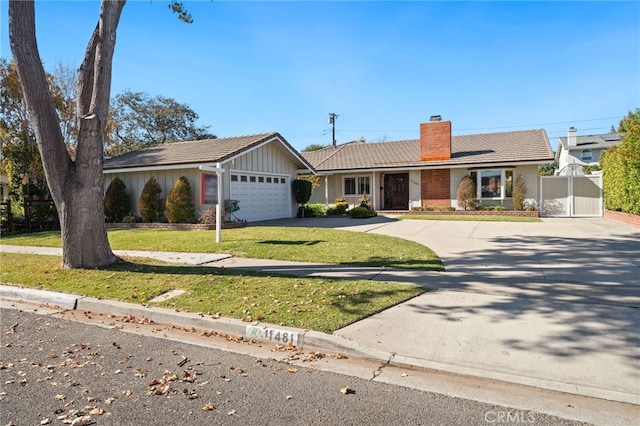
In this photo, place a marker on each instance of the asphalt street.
(55, 371)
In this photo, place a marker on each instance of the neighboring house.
(575, 151)
(426, 171)
(258, 171)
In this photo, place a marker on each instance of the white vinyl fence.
(571, 196)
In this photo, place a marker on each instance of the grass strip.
(320, 304)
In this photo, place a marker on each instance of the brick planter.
(629, 219)
(176, 226)
(469, 213)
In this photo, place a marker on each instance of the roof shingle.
(511, 147)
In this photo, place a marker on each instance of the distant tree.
(314, 179)
(315, 147)
(150, 204)
(180, 208)
(519, 193)
(76, 183)
(117, 204)
(19, 155)
(466, 193)
(137, 120)
(547, 169)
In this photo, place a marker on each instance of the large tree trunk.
(76, 186)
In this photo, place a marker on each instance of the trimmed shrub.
(466, 194)
(150, 204)
(302, 191)
(361, 212)
(180, 208)
(117, 204)
(519, 193)
(338, 209)
(318, 209)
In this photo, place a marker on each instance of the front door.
(396, 191)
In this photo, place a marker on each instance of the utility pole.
(332, 121)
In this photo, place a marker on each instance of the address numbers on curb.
(273, 334)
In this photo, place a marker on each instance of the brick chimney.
(435, 139)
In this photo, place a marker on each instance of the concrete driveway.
(553, 304)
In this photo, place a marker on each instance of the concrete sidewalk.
(555, 305)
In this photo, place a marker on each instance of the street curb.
(307, 338)
(67, 301)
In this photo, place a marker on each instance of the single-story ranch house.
(426, 172)
(258, 171)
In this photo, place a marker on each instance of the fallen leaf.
(208, 407)
(347, 390)
(81, 421)
(60, 397)
(404, 374)
(45, 421)
(127, 393)
(289, 396)
(232, 412)
(292, 370)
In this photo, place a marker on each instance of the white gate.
(571, 196)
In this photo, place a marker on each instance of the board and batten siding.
(135, 182)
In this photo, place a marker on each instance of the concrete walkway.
(554, 305)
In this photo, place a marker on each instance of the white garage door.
(261, 197)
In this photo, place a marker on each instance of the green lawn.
(310, 303)
(320, 304)
(281, 243)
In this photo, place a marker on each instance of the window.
(493, 184)
(276, 180)
(268, 180)
(252, 179)
(243, 178)
(261, 179)
(234, 178)
(282, 180)
(586, 155)
(357, 185)
(350, 186)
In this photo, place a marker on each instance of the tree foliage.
(138, 120)
(519, 193)
(20, 158)
(150, 204)
(621, 169)
(180, 207)
(547, 169)
(315, 147)
(117, 203)
(466, 193)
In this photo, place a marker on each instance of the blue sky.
(383, 67)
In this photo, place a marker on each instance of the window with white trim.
(493, 184)
(357, 185)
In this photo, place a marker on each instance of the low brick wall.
(176, 226)
(470, 213)
(629, 219)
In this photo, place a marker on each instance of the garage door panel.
(261, 200)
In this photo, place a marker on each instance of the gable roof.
(199, 152)
(604, 141)
(526, 146)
